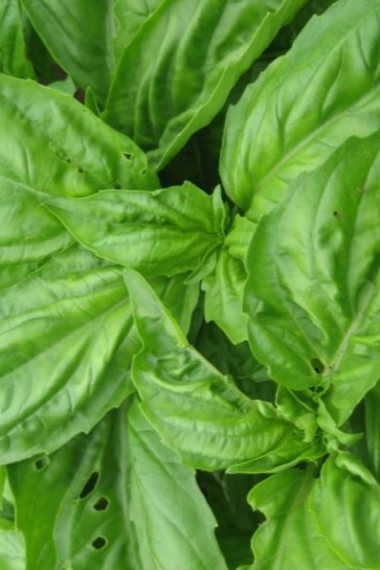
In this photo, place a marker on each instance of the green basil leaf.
(29, 235)
(107, 491)
(348, 493)
(88, 39)
(79, 37)
(173, 79)
(224, 297)
(372, 424)
(160, 233)
(290, 538)
(304, 106)
(53, 144)
(312, 291)
(66, 342)
(196, 410)
(13, 58)
(12, 548)
(178, 295)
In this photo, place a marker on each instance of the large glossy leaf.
(290, 538)
(176, 74)
(29, 234)
(108, 492)
(66, 342)
(165, 232)
(88, 39)
(53, 144)
(304, 105)
(196, 410)
(312, 294)
(348, 493)
(13, 58)
(79, 35)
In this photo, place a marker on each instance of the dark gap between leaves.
(318, 366)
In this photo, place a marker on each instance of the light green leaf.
(372, 424)
(224, 286)
(13, 58)
(108, 492)
(304, 106)
(12, 548)
(160, 233)
(346, 504)
(53, 144)
(79, 36)
(312, 293)
(173, 78)
(66, 342)
(64, 86)
(290, 538)
(29, 234)
(86, 38)
(196, 410)
(167, 504)
(224, 297)
(129, 16)
(180, 297)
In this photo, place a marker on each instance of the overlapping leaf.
(13, 57)
(306, 104)
(312, 294)
(108, 492)
(55, 145)
(196, 410)
(87, 38)
(160, 233)
(201, 48)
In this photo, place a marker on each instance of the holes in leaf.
(128, 156)
(143, 171)
(102, 504)
(336, 214)
(317, 365)
(80, 170)
(90, 485)
(99, 542)
(41, 463)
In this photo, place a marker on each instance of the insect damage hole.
(90, 485)
(41, 463)
(317, 365)
(99, 542)
(101, 504)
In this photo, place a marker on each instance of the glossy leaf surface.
(200, 48)
(304, 106)
(312, 293)
(66, 341)
(160, 233)
(107, 491)
(55, 145)
(196, 410)
(13, 57)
